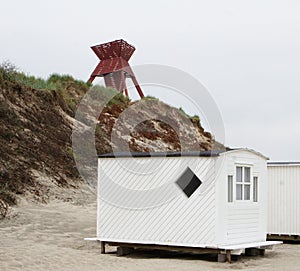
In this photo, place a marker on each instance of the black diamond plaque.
(188, 182)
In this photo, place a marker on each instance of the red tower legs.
(114, 66)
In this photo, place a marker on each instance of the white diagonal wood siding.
(138, 201)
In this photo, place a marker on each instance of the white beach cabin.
(214, 201)
(284, 200)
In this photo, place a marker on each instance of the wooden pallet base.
(127, 248)
(224, 252)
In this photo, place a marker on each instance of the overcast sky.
(247, 53)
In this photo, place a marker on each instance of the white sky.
(247, 53)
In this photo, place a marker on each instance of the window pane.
(239, 191)
(230, 188)
(239, 174)
(247, 192)
(255, 189)
(247, 174)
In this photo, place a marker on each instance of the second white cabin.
(284, 200)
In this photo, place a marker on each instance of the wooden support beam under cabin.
(102, 245)
(228, 256)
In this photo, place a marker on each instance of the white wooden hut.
(284, 200)
(214, 201)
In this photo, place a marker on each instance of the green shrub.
(8, 71)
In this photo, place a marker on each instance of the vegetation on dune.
(69, 89)
(10, 73)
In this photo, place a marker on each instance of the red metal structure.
(114, 66)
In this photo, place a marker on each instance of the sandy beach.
(51, 236)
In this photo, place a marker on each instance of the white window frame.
(243, 183)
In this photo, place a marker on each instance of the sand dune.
(50, 237)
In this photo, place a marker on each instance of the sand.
(51, 237)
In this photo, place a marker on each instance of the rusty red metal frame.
(114, 66)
